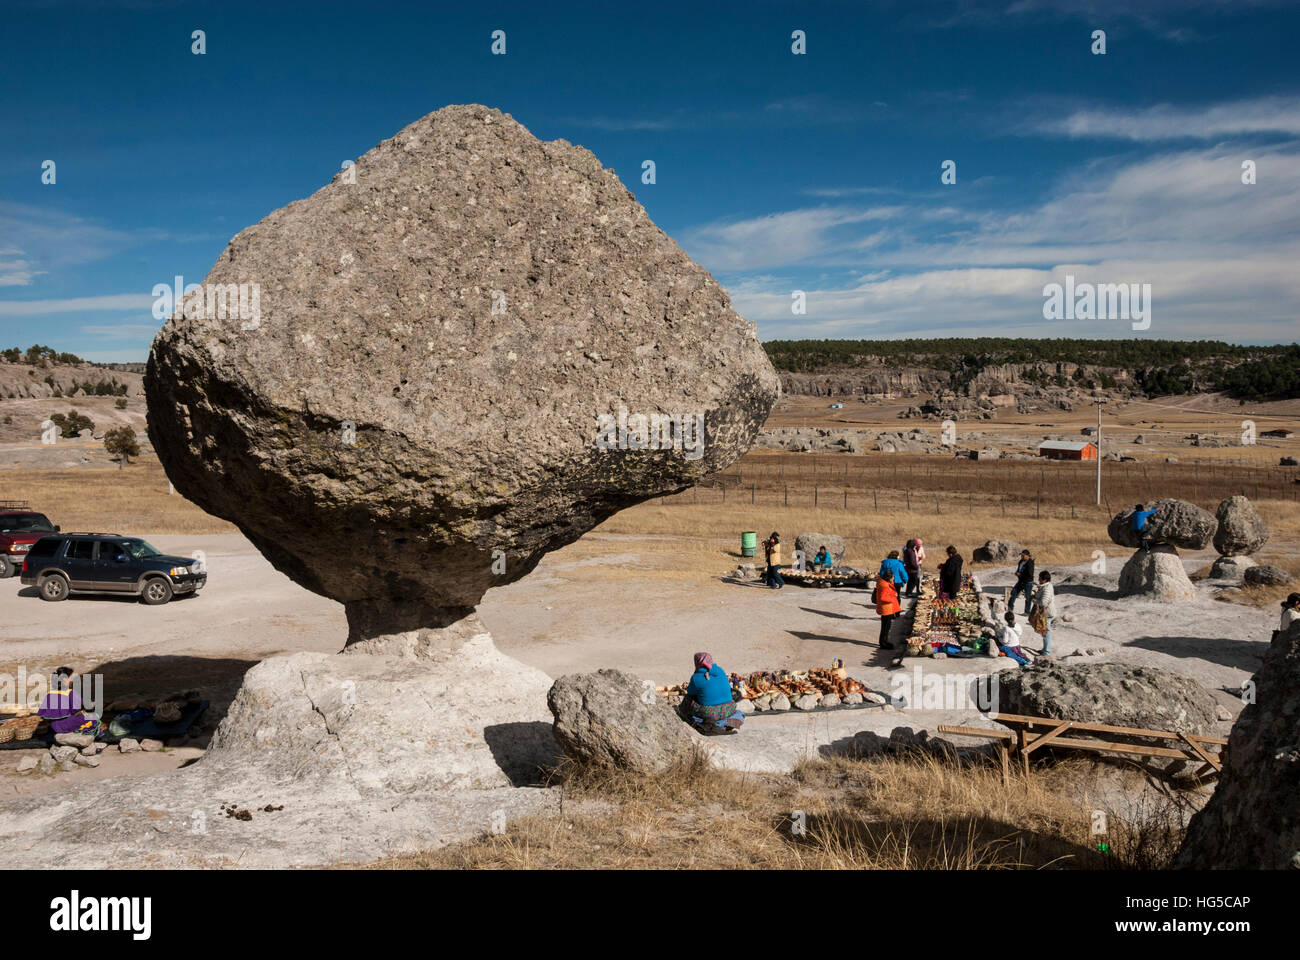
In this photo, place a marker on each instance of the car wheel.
(6, 568)
(53, 588)
(156, 591)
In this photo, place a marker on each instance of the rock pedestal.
(1157, 574)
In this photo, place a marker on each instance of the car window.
(81, 550)
(111, 550)
(26, 523)
(45, 547)
(139, 550)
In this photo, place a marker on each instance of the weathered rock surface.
(472, 304)
(1267, 575)
(1119, 694)
(1179, 524)
(1253, 820)
(1230, 568)
(997, 551)
(77, 740)
(810, 543)
(1158, 574)
(603, 718)
(1242, 530)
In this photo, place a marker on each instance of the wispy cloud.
(115, 301)
(46, 239)
(1166, 122)
(780, 238)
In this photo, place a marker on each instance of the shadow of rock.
(525, 751)
(1240, 654)
(805, 635)
(830, 613)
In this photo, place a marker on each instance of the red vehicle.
(19, 529)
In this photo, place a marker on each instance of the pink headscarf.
(703, 661)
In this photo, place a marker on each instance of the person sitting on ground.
(1045, 600)
(1024, 581)
(950, 574)
(1290, 611)
(1140, 518)
(823, 560)
(892, 567)
(708, 698)
(62, 706)
(912, 554)
(887, 605)
(1009, 640)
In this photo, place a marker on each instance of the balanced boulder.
(1119, 694)
(997, 551)
(1177, 523)
(1253, 820)
(1241, 529)
(1157, 574)
(611, 719)
(1267, 575)
(810, 543)
(468, 350)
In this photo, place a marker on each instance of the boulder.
(452, 369)
(1267, 575)
(46, 764)
(86, 761)
(128, 745)
(1179, 524)
(62, 753)
(603, 718)
(1241, 529)
(1119, 694)
(1289, 462)
(779, 702)
(808, 701)
(1252, 822)
(997, 551)
(810, 543)
(1230, 568)
(829, 700)
(1157, 574)
(26, 763)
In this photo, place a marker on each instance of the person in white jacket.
(1045, 600)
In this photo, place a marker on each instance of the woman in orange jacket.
(888, 607)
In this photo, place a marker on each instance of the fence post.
(814, 494)
(787, 494)
(751, 494)
(846, 499)
(875, 499)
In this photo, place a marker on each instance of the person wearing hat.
(708, 698)
(1290, 611)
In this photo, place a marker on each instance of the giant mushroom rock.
(471, 349)
(1158, 573)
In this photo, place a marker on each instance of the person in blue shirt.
(708, 699)
(823, 560)
(1140, 518)
(893, 568)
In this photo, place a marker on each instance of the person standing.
(1024, 581)
(772, 551)
(893, 568)
(887, 606)
(912, 565)
(1141, 517)
(950, 573)
(1045, 603)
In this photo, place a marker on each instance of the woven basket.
(19, 729)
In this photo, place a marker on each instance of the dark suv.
(67, 563)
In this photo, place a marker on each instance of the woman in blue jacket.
(708, 698)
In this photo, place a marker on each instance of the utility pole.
(1098, 401)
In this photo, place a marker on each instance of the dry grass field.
(917, 813)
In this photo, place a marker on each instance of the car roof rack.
(86, 533)
(14, 505)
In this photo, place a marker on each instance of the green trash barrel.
(748, 543)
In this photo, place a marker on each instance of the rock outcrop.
(1158, 574)
(1178, 524)
(1241, 531)
(997, 551)
(435, 348)
(810, 543)
(1253, 820)
(1230, 568)
(1119, 694)
(611, 719)
(1267, 575)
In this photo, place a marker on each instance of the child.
(1009, 640)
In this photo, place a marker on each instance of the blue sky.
(778, 172)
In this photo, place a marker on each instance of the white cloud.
(1166, 122)
(779, 238)
(115, 301)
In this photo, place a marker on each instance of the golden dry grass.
(133, 499)
(917, 812)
